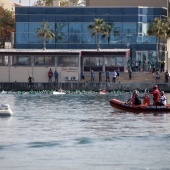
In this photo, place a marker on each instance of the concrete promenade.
(139, 81)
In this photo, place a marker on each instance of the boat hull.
(123, 106)
(56, 92)
(6, 113)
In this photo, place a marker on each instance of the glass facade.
(129, 27)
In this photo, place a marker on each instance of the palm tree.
(157, 28)
(45, 33)
(99, 27)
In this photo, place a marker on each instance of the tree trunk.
(44, 44)
(98, 41)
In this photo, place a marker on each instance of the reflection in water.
(81, 132)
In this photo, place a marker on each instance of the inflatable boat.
(124, 106)
(57, 92)
(5, 110)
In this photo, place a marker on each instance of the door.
(142, 60)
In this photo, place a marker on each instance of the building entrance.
(142, 60)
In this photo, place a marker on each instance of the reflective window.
(101, 11)
(62, 11)
(130, 18)
(51, 10)
(127, 11)
(35, 18)
(21, 60)
(62, 18)
(61, 27)
(115, 18)
(23, 10)
(75, 18)
(88, 11)
(74, 38)
(22, 38)
(61, 38)
(86, 38)
(115, 11)
(152, 56)
(75, 11)
(74, 27)
(22, 27)
(85, 27)
(93, 61)
(69, 61)
(22, 18)
(129, 28)
(33, 26)
(49, 18)
(44, 60)
(114, 60)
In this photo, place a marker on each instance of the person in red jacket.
(50, 75)
(156, 95)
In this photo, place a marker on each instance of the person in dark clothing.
(30, 82)
(130, 73)
(162, 65)
(166, 76)
(56, 76)
(107, 76)
(100, 76)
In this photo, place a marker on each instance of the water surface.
(81, 131)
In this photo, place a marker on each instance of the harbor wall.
(124, 86)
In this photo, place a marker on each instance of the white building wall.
(40, 74)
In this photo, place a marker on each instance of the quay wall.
(124, 86)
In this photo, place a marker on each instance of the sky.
(25, 2)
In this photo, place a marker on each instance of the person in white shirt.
(114, 76)
(163, 98)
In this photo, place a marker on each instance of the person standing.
(50, 75)
(130, 73)
(92, 76)
(82, 75)
(162, 65)
(118, 74)
(100, 76)
(114, 76)
(30, 82)
(107, 76)
(56, 76)
(166, 76)
(163, 98)
(156, 94)
(157, 75)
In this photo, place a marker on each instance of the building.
(128, 38)
(9, 4)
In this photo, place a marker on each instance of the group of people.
(50, 75)
(148, 66)
(159, 98)
(115, 75)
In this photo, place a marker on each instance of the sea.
(81, 132)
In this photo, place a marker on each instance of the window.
(69, 61)
(44, 60)
(114, 61)
(3, 60)
(21, 60)
(93, 61)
